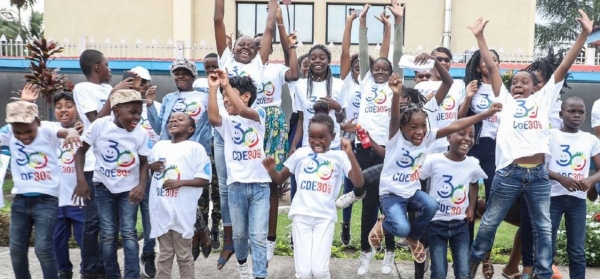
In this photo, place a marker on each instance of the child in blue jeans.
(456, 194)
(120, 178)
(36, 184)
(243, 129)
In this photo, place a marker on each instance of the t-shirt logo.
(67, 156)
(524, 111)
(268, 88)
(323, 170)
(376, 97)
(448, 103)
(356, 101)
(313, 100)
(485, 102)
(456, 194)
(192, 109)
(170, 173)
(236, 72)
(409, 161)
(114, 155)
(576, 161)
(248, 137)
(146, 124)
(35, 160)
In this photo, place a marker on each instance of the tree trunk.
(20, 23)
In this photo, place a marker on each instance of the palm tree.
(20, 5)
(9, 26)
(36, 28)
(560, 14)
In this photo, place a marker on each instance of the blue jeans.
(68, 217)
(439, 234)
(149, 243)
(91, 250)
(509, 183)
(26, 213)
(485, 151)
(116, 210)
(219, 147)
(575, 210)
(396, 207)
(249, 206)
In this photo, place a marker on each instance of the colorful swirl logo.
(35, 160)
(456, 194)
(323, 170)
(409, 161)
(485, 102)
(66, 156)
(448, 103)
(192, 109)
(146, 124)
(523, 111)
(268, 88)
(236, 72)
(576, 161)
(114, 155)
(248, 137)
(377, 97)
(170, 173)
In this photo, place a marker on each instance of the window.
(336, 21)
(252, 17)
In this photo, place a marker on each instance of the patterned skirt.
(276, 135)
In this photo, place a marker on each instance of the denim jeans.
(68, 218)
(509, 183)
(115, 210)
(149, 243)
(26, 213)
(249, 207)
(91, 250)
(575, 210)
(219, 147)
(366, 158)
(396, 207)
(439, 235)
(485, 151)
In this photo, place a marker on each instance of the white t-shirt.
(353, 94)
(153, 137)
(66, 169)
(118, 154)
(524, 130)
(90, 97)
(244, 153)
(305, 104)
(555, 121)
(273, 79)
(176, 209)
(449, 187)
(35, 166)
(319, 177)
(596, 114)
(292, 89)
(192, 103)
(375, 109)
(252, 70)
(481, 102)
(402, 163)
(571, 157)
(448, 109)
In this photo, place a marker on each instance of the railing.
(170, 50)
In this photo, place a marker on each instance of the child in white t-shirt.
(35, 170)
(120, 178)
(242, 129)
(454, 185)
(181, 168)
(521, 146)
(400, 187)
(319, 172)
(572, 152)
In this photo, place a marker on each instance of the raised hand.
(495, 107)
(478, 26)
(214, 81)
(352, 16)
(383, 18)
(223, 77)
(395, 83)
(586, 24)
(292, 38)
(151, 95)
(422, 58)
(472, 88)
(397, 9)
(30, 92)
(363, 14)
(269, 163)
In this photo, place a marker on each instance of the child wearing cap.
(36, 184)
(120, 178)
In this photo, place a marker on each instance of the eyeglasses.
(443, 59)
(423, 76)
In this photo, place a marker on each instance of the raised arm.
(586, 28)
(267, 38)
(468, 121)
(234, 98)
(387, 34)
(470, 92)
(214, 117)
(277, 177)
(345, 60)
(219, 25)
(494, 73)
(292, 61)
(395, 84)
(363, 43)
(397, 10)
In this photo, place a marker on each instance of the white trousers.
(313, 238)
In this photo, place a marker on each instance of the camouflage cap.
(125, 96)
(21, 112)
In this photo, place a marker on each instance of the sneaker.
(345, 235)
(365, 261)
(215, 241)
(63, 274)
(147, 263)
(244, 271)
(270, 250)
(402, 243)
(347, 199)
(388, 262)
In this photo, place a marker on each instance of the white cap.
(201, 85)
(142, 72)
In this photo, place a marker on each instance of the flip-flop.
(487, 269)
(222, 261)
(511, 276)
(418, 251)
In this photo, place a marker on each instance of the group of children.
(114, 150)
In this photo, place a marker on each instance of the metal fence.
(155, 50)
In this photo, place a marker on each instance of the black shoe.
(63, 274)
(345, 236)
(419, 270)
(148, 266)
(214, 235)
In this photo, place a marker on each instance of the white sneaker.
(388, 262)
(244, 271)
(347, 199)
(365, 261)
(270, 250)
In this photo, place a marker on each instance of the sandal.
(512, 276)
(222, 261)
(377, 233)
(487, 269)
(419, 253)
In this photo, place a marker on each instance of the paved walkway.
(279, 267)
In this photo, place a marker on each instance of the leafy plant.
(283, 188)
(507, 78)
